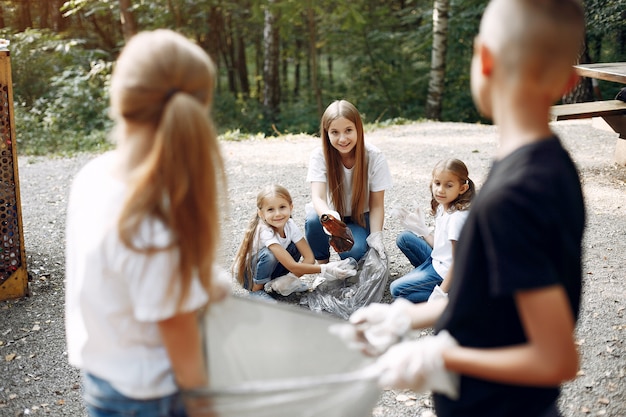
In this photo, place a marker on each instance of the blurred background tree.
(280, 61)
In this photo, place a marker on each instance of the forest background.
(280, 61)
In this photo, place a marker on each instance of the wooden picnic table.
(609, 71)
(613, 112)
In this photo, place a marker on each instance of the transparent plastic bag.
(279, 360)
(342, 298)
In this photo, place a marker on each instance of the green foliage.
(375, 53)
(60, 94)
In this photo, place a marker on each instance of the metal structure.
(13, 272)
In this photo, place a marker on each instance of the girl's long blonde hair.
(458, 168)
(242, 266)
(334, 167)
(164, 84)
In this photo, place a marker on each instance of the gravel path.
(35, 378)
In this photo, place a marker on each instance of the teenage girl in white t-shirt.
(348, 180)
(431, 253)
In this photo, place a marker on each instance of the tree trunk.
(228, 50)
(242, 68)
(44, 14)
(297, 69)
(271, 82)
(2, 22)
(129, 25)
(58, 22)
(313, 60)
(25, 20)
(441, 10)
(175, 10)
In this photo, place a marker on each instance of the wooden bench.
(612, 111)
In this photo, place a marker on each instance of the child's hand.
(373, 329)
(418, 366)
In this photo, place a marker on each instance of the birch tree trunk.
(312, 29)
(271, 81)
(441, 11)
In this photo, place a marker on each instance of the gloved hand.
(375, 241)
(335, 215)
(338, 270)
(414, 222)
(286, 284)
(418, 365)
(437, 294)
(374, 328)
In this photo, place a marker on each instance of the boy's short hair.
(535, 35)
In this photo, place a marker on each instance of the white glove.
(437, 294)
(418, 366)
(335, 215)
(414, 222)
(338, 270)
(286, 284)
(373, 329)
(375, 241)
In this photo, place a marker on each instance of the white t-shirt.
(115, 296)
(266, 236)
(447, 227)
(379, 176)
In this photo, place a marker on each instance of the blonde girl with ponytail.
(142, 231)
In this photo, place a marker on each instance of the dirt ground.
(35, 378)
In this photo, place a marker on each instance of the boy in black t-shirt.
(505, 336)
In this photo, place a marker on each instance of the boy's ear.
(572, 81)
(486, 60)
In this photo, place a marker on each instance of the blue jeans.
(266, 266)
(417, 285)
(102, 400)
(319, 240)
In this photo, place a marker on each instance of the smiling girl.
(348, 180)
(431, 253)
(274, 246)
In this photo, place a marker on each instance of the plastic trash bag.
(342, 298)
(279, 360)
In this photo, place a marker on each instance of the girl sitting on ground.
(431, 253)
(274, 248)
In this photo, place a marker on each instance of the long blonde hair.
(242, 266)
(334, 167)
(164, 83)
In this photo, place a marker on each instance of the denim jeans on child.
(266, 267)
(319, 240)
(417, 285)
(102, 400)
